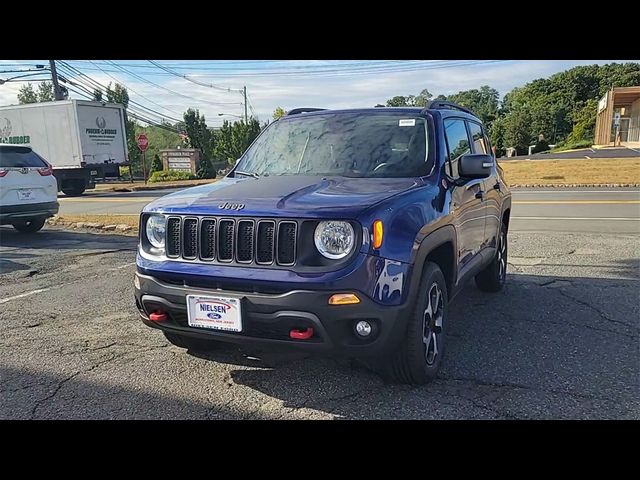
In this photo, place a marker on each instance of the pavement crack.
(521, 386)
(581, 325)
(603, 315)
(65, 380)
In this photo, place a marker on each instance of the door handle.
(480, 194)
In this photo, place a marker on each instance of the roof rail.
(443, 104)
(295, 111)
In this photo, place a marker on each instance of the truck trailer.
(81, 140)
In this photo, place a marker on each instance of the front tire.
(418, 358)
(494, 276)
(29, 226)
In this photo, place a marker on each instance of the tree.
(156, 165)
(483, 102)
(419, 100)
(206, 169)
(97, 95)
(517, 130)
(199, 135)
(27, 94)
(118, 94)
(233, 139)
(279, 112)
(45, 92)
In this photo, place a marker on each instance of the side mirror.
(477, 165)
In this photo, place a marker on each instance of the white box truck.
(81, 140)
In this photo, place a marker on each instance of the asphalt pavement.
(560, 341)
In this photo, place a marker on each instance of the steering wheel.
(381, 165)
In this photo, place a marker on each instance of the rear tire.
(29, 226)
(494, 276)
(74, 189)
(194, 344)
(418, 358)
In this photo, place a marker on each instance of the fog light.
(363, 328)
(136, 281)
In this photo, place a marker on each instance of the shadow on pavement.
(54, 238)
(34, 395)
(544, 347)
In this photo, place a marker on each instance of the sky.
(159, 90)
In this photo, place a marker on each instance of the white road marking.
(632, 219)
(22, 295)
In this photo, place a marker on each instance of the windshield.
(341, 144)
(20, 157)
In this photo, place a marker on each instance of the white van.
(28, 189)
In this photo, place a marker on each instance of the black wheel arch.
(440, 247)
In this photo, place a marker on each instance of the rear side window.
(20, 157)
(458, 143)
(480, 144)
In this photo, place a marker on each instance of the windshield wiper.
(248, 174)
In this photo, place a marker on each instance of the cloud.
(266, 92)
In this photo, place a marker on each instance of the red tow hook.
(301, 334)
(158, 316)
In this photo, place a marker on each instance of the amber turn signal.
(343, 299)
(378, 232)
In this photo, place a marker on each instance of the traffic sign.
(143, 142)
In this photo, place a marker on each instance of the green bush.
(170, 176)
(573, 145)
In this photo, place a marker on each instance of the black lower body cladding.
(268, 319)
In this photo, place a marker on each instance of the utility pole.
(244, 90)
(57, 94)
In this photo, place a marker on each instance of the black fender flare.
(438, 237)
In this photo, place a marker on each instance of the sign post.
(143, 144)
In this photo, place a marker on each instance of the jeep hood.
(284, 195)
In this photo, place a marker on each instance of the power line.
(131, 102)
(224, 89)
(335, 71)
(137, 93)
(169, 90)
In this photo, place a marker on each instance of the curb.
(142, 188)
(574, 185)
(121, 229)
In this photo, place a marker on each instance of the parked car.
(28, 189)
(344, 232)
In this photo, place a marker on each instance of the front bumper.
(268, 318)
(29, 211)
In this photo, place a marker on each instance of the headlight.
(155, 230)
(334, 239)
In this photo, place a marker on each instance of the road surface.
(560, 341)
(581, 154)
(556, 209)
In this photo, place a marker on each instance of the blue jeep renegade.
(343, 232)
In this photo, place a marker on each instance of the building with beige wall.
(618, 117)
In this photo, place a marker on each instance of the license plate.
(25, 194)
(218, 313)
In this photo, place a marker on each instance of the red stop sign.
(143, 142)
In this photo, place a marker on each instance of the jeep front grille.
(232, 240)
